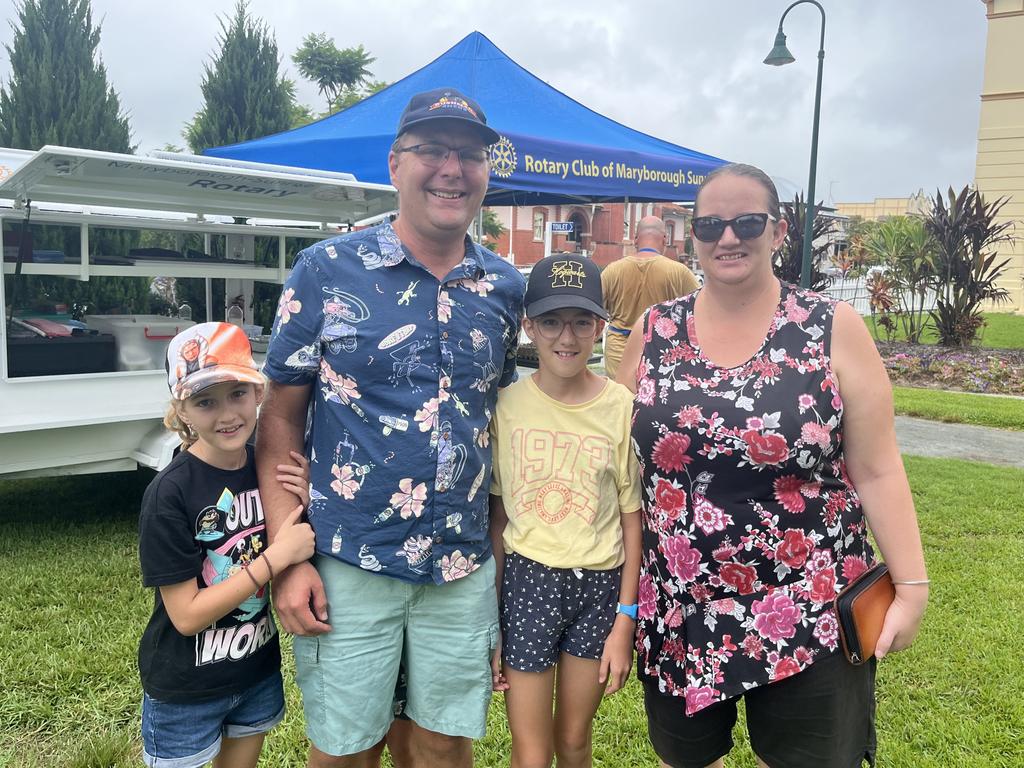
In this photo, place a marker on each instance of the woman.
(763, 420)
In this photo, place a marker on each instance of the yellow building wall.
(882, 207)
(1000, 163)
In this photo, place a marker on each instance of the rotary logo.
(503, 158)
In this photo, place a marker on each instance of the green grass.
(1003, 330)
(73, 609)
(960, 408)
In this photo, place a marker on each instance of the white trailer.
(79, 423)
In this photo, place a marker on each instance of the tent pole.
(625, 219)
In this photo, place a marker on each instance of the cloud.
(900, 98)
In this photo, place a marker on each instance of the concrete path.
(921, 437)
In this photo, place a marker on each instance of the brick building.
(605, 231)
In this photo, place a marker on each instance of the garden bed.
(971, 369)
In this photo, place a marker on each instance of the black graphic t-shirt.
(204, 523)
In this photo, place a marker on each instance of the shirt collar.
(392, 252)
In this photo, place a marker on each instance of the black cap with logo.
(445, 104)
(564, 281)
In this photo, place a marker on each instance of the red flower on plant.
(765, 448)
(794, 312)
(670, 500)
(738, 576)
(688, 416)
(787, 493)
(834, 507)
(823, 586)
(803, 655)
(700, 593)
(826, 629)
(853, 567)
(647, 597)
(645, 391)
(794, 548)
(708, 517)
(670, 452)
(665, 328)
(785, 667)
(724, 552)
(699, 698)
(816, 434)
(776, 616)
(683, 560)
(753, 646)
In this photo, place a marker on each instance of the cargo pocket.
(308, 674)
(306, 649)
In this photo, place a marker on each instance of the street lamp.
(780, 55)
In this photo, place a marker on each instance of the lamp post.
(780, 55)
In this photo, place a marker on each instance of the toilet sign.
(555, 227)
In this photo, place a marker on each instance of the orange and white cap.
(208, 354)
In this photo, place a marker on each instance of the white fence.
(854, 291)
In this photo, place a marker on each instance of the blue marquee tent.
(552, 150)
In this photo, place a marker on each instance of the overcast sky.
(900, 97)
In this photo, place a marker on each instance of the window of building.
(539, 219)
(670, 232)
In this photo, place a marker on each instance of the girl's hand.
(295, 477)
(294, 543)
(902, 620)
(498, 680)
(617, 657)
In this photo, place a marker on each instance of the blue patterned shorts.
(548, 611)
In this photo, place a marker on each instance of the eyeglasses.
(551, 326)
(709, 229)
(436, 155)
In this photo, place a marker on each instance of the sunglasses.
(709, 229)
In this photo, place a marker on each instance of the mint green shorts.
(442, 634)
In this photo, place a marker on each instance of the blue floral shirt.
(406, 370)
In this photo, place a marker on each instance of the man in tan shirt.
(633, 283)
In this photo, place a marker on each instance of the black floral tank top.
(751, 524)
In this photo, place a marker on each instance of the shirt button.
(444, 334)
(438, 539)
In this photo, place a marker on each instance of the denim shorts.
(549, 611)
(180, 735)
(442, 635)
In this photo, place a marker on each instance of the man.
(401, 335)
(634, 283)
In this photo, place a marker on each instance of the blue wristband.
(626, 610)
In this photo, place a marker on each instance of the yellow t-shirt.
(631, 285)
(564, 473)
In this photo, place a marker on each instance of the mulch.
(967, 369)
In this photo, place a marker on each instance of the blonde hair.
(173, 422)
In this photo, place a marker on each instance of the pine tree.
(245, 97)
(58, 91)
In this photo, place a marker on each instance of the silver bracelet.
(914, 582)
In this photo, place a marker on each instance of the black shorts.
(823, 717)
(548, 611)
